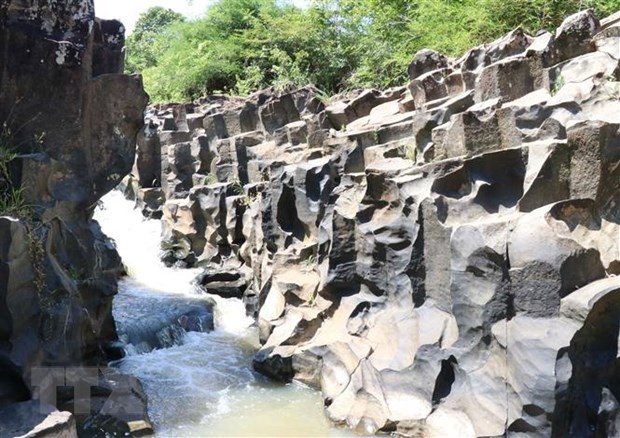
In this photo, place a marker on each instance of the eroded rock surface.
(438, 259)
(71, 117)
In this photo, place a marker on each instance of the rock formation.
(69, 123)
(439, 259)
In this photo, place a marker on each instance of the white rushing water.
(204, 386)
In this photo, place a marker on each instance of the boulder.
(574, 36)
(426, 60)
(35, 419)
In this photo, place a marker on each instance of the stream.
(199, 383)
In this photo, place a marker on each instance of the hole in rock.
(445, 379)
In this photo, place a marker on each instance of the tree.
(142, 52)
(240, 46)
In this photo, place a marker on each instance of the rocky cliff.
(439, 259)
(69, 124)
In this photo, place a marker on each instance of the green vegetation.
(210, 178)
(240, 46)
(411, 152)
(612, 87)
(557, 85)
(12, 203)
(236, 186)
(7, 155)
(11, 200)
(143, 42)
(14, 142)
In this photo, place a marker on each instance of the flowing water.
(198, 383)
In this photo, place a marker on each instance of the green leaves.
(144, 45)
(12, 203)
(240, 46)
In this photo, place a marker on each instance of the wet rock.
(35, 419)
(116, 403)
(160, 322)
(150, 201)
(224, 284)
(609, 414)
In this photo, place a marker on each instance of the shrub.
(240, 46)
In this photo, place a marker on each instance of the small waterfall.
(137, 241)
(156, 305)
(192, 352)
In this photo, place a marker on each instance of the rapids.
(198, 383)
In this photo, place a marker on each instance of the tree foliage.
(240, 46)
(143, 45)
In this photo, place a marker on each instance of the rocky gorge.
(438, 259)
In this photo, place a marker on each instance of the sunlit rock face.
(439, 259)
(71, 117)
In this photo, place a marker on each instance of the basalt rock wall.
(69, 123)
(440, 259)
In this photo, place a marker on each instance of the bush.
(240, 46)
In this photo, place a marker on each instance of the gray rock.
(426, 60)
(574, 36)
(34, 419)
(429, 87)
(148, 160)
(59, 272)
(340, 114)
(509, 79)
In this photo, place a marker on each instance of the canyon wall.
(69, 123)
(440, 259)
